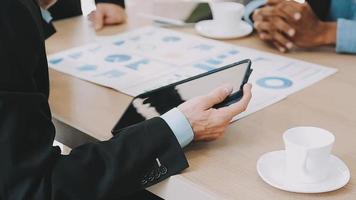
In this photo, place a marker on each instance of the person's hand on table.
(273, 28)
(107, 14)
(287, 23)
(209, 123)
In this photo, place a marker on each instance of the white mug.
(227, 14)
(307, 153)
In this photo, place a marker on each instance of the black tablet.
(157, 102)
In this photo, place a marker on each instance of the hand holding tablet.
(209, 123)
(206, 91)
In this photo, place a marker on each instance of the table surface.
(226, 168)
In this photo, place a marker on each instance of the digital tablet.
(157, 102)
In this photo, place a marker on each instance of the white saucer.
(211, 29)
(271, 168)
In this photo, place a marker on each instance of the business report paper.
(150, 57)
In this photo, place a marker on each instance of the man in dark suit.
(139, 156)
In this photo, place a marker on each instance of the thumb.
(240, 106)
(216, 96)
(98, 20)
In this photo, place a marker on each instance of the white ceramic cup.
(227, 15)
(307, 153)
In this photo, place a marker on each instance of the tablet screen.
(159, 101)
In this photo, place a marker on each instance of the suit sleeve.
(346, 36)
(31, 168)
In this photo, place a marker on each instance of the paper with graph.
(151, 57)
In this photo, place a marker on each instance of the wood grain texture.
(226, 167)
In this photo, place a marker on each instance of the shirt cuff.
(346, 36)
(179, 125)
(46, 15)
(251, 7)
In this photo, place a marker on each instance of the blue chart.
(136, 65)
(117, 58)
(222, 56)
(204, 67)
(76, 55)
(214, 61)
(86, 68)
(119, 43)
(234, 52)
(203, 47)
(56, 61)
(171, 39)
(274, 82)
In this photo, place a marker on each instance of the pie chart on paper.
(274, 82)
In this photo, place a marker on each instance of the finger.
(216, 96)
(240, 106)
(282, 40)
(115, 18)
(265, 36)
(267, 12)
(283, 26)
(264, 12)
(263, 26)
(91, 16)
(98, 18)
(277, 24)
(291, 10)
(279, 47)
(111, 20)
(113, 14)
(256, 16)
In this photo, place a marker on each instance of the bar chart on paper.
(147, 58)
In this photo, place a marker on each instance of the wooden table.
(224, 169)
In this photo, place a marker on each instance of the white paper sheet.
(151, 57)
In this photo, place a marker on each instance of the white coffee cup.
(307, 154)
(227, 15)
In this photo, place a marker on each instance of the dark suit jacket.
(30, 168)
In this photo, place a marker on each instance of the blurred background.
(89, 5)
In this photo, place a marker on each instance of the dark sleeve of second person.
(69, 8)
(30, 167)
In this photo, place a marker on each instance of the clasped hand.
(286, 24)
